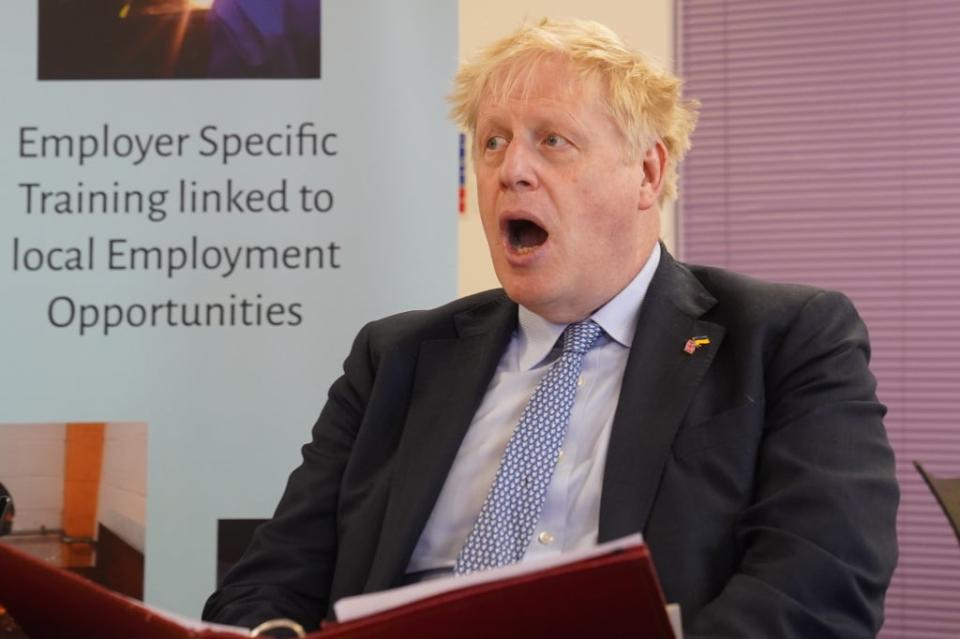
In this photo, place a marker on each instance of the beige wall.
(31, 467)
(646, 25)
(123, 482)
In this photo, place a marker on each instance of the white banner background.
(227, 407)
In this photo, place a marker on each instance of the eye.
(495, 143)
(555, 141)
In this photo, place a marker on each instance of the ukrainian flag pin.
(694, 343)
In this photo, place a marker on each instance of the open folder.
(610, 591)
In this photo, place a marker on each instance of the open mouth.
(525, 236)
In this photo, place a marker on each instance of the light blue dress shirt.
(571, 513)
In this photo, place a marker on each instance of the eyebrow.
(546, 118)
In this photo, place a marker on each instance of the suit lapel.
(451, 379)
(659, 381)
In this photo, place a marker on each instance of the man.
(733, 422)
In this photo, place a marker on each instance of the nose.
(518, 169)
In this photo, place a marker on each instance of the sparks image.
(178, 39)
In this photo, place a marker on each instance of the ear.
(654, 165)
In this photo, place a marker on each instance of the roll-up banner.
(201, 202)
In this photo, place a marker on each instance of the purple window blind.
(828, 152)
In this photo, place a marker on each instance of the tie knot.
(579, 337)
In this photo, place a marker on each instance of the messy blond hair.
(643, 99)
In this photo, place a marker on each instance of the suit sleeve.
(818, 541)
(288, 568)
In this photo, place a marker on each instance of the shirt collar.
(618, 319)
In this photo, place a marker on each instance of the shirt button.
(560, 455)
(545, 538)
(580, 381)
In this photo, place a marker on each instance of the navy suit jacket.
(756, 467)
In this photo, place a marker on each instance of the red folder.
(48, 602)
(612, 595)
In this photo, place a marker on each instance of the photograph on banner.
(178, 39)
(74, 495)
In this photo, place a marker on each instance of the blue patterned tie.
(513, 506)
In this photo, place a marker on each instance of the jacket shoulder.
(435, 323)
(750, 298)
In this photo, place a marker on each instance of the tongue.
(526, 234)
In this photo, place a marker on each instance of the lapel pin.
(694, 343)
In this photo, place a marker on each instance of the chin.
(535, 303)
(523, 296)
(531, 290)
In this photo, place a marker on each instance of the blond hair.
(643, 99)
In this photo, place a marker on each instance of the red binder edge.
(47, 601)
(420, 611)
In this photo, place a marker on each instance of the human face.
(569, 222)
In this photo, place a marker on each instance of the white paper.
(676, 622)
(350, 608)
